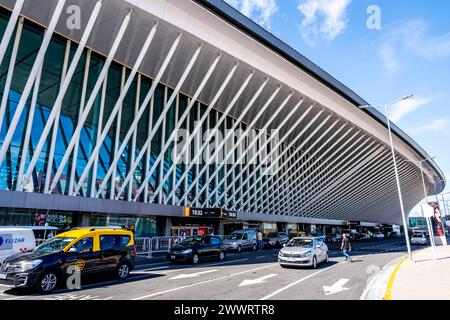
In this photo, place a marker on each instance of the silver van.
(240, 240)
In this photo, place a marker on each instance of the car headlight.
(281, 254)
(29, 265)
(306, 254)
(187, 251)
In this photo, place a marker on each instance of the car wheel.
(221, 256)
(278, 244)
(327, 258)
(48, 282)
(123, 271)
(195, 259)
(239, 249)
(254, 247)
(314, 262)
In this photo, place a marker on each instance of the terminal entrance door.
(189, 231)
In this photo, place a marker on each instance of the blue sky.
(409, 53)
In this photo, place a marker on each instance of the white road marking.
(141, 271)
(192, 275)
(297, 282)
(257, 281)
(336, 288)
(151, 264)
(203, 282)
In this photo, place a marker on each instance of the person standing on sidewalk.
(346, 247)
(259, 237)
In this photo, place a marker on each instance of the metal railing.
(147, 246)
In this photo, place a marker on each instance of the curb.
(388, 294)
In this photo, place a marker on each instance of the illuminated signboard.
(209, 213)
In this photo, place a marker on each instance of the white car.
(418, 238)
(303, 252)
(14, 241)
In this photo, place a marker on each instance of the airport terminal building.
(171, 115)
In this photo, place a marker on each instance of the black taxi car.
(88, 250)
(197, 248)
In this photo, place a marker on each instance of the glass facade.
(34, 118)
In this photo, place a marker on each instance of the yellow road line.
(388, 295)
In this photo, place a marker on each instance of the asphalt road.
(245, 276)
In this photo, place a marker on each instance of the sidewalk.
(422, 279)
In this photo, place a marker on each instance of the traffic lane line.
(139, 275)
(203, 282)
(229, 288)
(294, 284)
(358, 273)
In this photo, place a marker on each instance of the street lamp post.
(425, 193)
(397, 177)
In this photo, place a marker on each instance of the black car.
(197, 248)
(333, 237)
(70, 257)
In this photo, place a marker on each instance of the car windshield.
(417, 236)
(191, 241)
(54, 245)
(235, 236)
(304, 243)
(272, 235)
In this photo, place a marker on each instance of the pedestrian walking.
(346, 247)
(259, 237)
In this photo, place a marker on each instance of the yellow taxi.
(90, 250)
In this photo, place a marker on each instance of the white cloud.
(412, 38)
(323, 19)
(440, 125)
(259, 10)
(405, 107)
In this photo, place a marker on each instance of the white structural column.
(27, 137)
(113, 166)
(9, 75)
(242, 153)
(373, 202)
(319, 162)
(178, 124)
(377, 174)
(211, 133)
(148, 156)
(328, 172)
(163, 136)
(92, 98)
(262, 148)
(63, 89)
(118, 106)
(273, 151)
(198, 127)
(341, 165)
(297, 167)
(379, 189)
(241, 139)
(200, 123)
(291, 146)
(281, 189)
(135, 123)
(31, 79)
(10, 28)
(212, 157)
(133, 141)
(344, 166)
(99, 129)
(73, 169)
(162, 117)
(51, 155)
